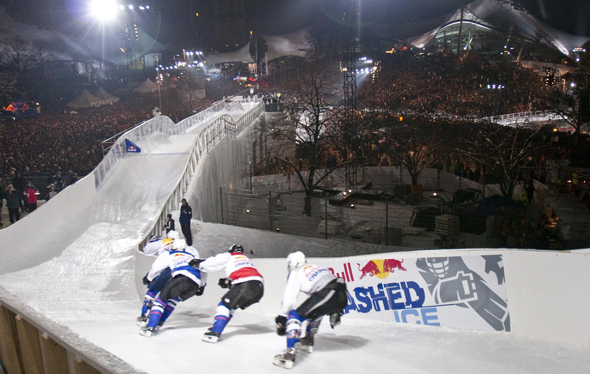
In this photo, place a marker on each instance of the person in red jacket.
(244, 282)
(30, 194)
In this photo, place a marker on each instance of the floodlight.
(103, 10)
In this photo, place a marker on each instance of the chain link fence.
(444, 217)
(361, 218)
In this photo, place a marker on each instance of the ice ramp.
(80, 246)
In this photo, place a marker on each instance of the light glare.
(103, 10)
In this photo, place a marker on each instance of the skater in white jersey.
(326, 296)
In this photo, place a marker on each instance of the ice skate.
(286, 360)
(335, 319)
(305, 344)
(211, 336)
(142, 320)
(160, 324)
(147, 331)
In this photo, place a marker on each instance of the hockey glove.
(145, 280)
(281, 322)
(195, 263)
(224, 282)
(200, 291)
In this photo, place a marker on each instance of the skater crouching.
(186, 281)
(326, 296)
(244, 282)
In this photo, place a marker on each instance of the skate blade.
(210, 339)
(146, 333)
(304, 348)
(279, 361)
(141, 323)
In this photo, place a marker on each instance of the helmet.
(295, 259)
(153, 238)
(173, 234)
(236, 248)
(179, 244)
(169, 215)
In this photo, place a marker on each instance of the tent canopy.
(147, 86)
(85, 100)
(106, 97)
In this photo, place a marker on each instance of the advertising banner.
(460, 292)
(131, 147)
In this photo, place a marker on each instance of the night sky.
(279, 16)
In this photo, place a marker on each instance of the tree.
(307, 137)
(188, 87)
(410, 142)
(503, 151)
(572, 104)
(7, 85)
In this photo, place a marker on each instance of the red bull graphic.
(380, 268)
(462, 291)
(346, 274)
(20, 110)
(131, 147)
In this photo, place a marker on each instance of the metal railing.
(207, 138)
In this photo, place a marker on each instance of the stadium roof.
(505, 16)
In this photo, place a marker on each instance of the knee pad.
(294, 325)
(223, 310)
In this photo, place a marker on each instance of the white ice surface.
(87, 284)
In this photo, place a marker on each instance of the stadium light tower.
(104, 11)
(351, 46)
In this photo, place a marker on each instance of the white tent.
(84, 100)
(292, 44)
(106, 97)
(146, 86)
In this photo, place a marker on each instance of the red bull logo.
(380, 268)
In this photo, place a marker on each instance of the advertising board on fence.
(461, 291)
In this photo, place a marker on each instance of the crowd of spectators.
(72, 141)
(474, 85)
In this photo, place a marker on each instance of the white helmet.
(179, 244)
(295, 259)
(173, 234)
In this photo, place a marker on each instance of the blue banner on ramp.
(131, 147)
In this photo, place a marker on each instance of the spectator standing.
(30, 194)
(1, 194)
(51, 192)
(13, 200)
(71, 179)
(19, 183)
(170, 224)
(59, 181)
(529, 187)
(186, 214)
(1, 201)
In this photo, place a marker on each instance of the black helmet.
(236, 248)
